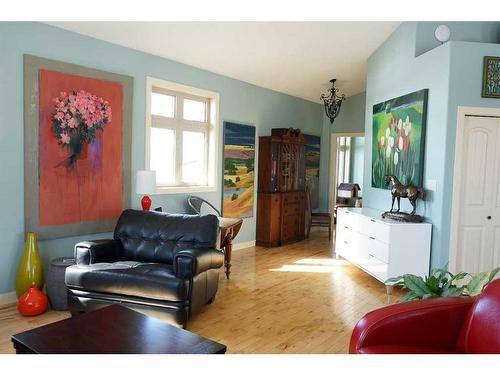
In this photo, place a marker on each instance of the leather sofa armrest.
(98, 251)
(433, 323)
(191, 262)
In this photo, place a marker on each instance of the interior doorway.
(346, 162)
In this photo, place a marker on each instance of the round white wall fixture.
(442, 33)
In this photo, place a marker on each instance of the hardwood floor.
(292, 299)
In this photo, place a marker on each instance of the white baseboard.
(243, 245)
(8, 298)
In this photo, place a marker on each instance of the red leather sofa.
(460, 325)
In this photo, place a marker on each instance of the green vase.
(30, 270)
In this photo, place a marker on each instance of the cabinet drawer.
(291, 209)
(374, 229)
(373, 265)
(377, 268)
(350, 243)
(291, 198)
(348, 219)
(376, 248)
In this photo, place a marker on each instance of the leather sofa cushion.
(150, 236)
(146, 280)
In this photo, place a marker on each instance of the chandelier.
(332, 100)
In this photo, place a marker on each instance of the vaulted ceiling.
(296, 58)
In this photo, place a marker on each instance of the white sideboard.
(384, 248)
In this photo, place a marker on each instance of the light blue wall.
(393, 70)
(351, 118)
(239, 101)
(465, 90)
(453, 74)
(481, 32)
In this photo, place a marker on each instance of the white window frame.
(211, 129)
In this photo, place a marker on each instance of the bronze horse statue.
(399, 191)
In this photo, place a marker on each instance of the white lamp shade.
(145, 182)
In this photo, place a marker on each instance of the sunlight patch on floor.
(322, 261)
(312, 265)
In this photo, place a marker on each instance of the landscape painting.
(239, 162)
(312, 148)
(76, 142)
(398, 139)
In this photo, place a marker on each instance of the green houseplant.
(442, 283)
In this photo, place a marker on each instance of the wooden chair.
(196, 202)
(318, 219)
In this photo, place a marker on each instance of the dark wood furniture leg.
(228, 249)
(229, 229)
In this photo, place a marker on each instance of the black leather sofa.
(161, 264)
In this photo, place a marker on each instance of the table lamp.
(145, 184)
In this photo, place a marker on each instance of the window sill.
(184, 189)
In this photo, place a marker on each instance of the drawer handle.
(371, 238)
(373, 221)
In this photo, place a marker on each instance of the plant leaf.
(477, 284)
(458, 276)
(453, 292)
(417, 285)
(493, 274)
(394, 280)
(409, 297)
(433, 283)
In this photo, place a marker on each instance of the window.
(181, 136)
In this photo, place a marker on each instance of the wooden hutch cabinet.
(281, 188)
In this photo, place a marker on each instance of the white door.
(478, 245)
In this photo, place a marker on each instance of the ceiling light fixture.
(332, 100)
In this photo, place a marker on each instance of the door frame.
(332, 188)
(462, 113)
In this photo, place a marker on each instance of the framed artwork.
(239, 163)
(398, 139)
(312, 149)
(77, 148)
(491, 77)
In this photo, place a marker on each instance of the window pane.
(194, 110)
(162, 105)
(163, 155)
(193, 157)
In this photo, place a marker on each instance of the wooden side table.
(229, 228)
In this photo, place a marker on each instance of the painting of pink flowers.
(76, 119)
(80, 149)
(398, 139)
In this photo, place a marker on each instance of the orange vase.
(32, 302)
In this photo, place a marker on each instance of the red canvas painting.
(80, 149)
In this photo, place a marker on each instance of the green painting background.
(409, 169)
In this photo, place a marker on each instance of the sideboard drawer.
(375, 229)
(376, 248)
(349, 219)
(376, 267)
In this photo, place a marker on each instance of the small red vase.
(32, 302)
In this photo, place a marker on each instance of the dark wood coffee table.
(113, 330)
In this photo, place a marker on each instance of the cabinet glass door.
(274, 167)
